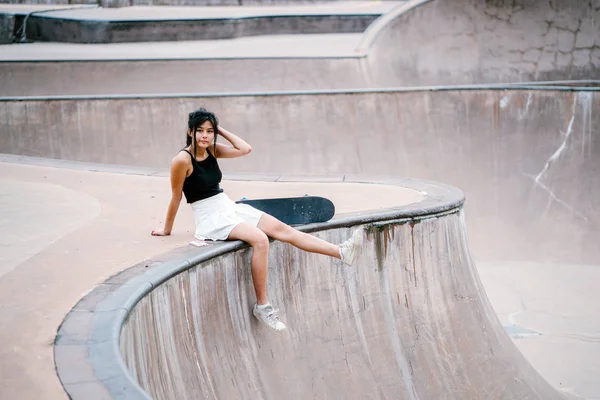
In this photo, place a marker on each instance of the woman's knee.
(251, 235)
(277, 229)
(259, 240)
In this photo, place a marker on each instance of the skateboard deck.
(295, 210)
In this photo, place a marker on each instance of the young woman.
(195, 173)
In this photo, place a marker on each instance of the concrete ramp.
(409, 321)
(449, 42)
(269, 63)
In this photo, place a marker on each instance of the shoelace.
(272, 315)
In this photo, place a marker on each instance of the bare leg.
(285, 233)
(260, 257)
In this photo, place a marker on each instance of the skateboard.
(295, 210)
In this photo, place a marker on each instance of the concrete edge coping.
(87, 346)
(541, 86)
(235, 19)
(257, 12)
(354, 56)
(65, 7)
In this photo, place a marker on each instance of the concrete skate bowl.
(526, 158)
(464, 42)
(410, 321)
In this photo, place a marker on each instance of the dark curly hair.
(197, 118)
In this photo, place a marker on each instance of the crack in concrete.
(579, 337)
(345, 353)
(412, 350)
(551, 160)
(516, 331)
(560, 149)
(560, 201)
(524, 113)
(341, 338)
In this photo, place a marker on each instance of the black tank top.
(204, 180)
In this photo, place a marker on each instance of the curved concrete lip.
(152, 13)
(563, 86)
(86, 349)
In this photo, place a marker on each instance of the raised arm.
(240, 147)
(179, 167)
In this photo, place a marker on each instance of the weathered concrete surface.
(41, 287)
(472, 43)
(267, 63)
(7, 27)
(262, 47)
(104, 230)
(550, 311)
(462, 41)
(33, 203)
(143, 23)
(410, 321)
(527, 159)
(186, 76)
(56, 29)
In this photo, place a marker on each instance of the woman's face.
(205, 135)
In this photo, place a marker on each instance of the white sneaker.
(268, 315)
(351, 248)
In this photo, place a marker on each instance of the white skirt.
(216, 216)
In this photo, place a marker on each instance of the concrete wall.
(47, 28)
(177, 76)
(410, 321)
(528, 160)
(463, 41)
(7, 27)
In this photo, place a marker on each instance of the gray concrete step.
(248, 64)
(156, 23)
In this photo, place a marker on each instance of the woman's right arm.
(179, 168)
